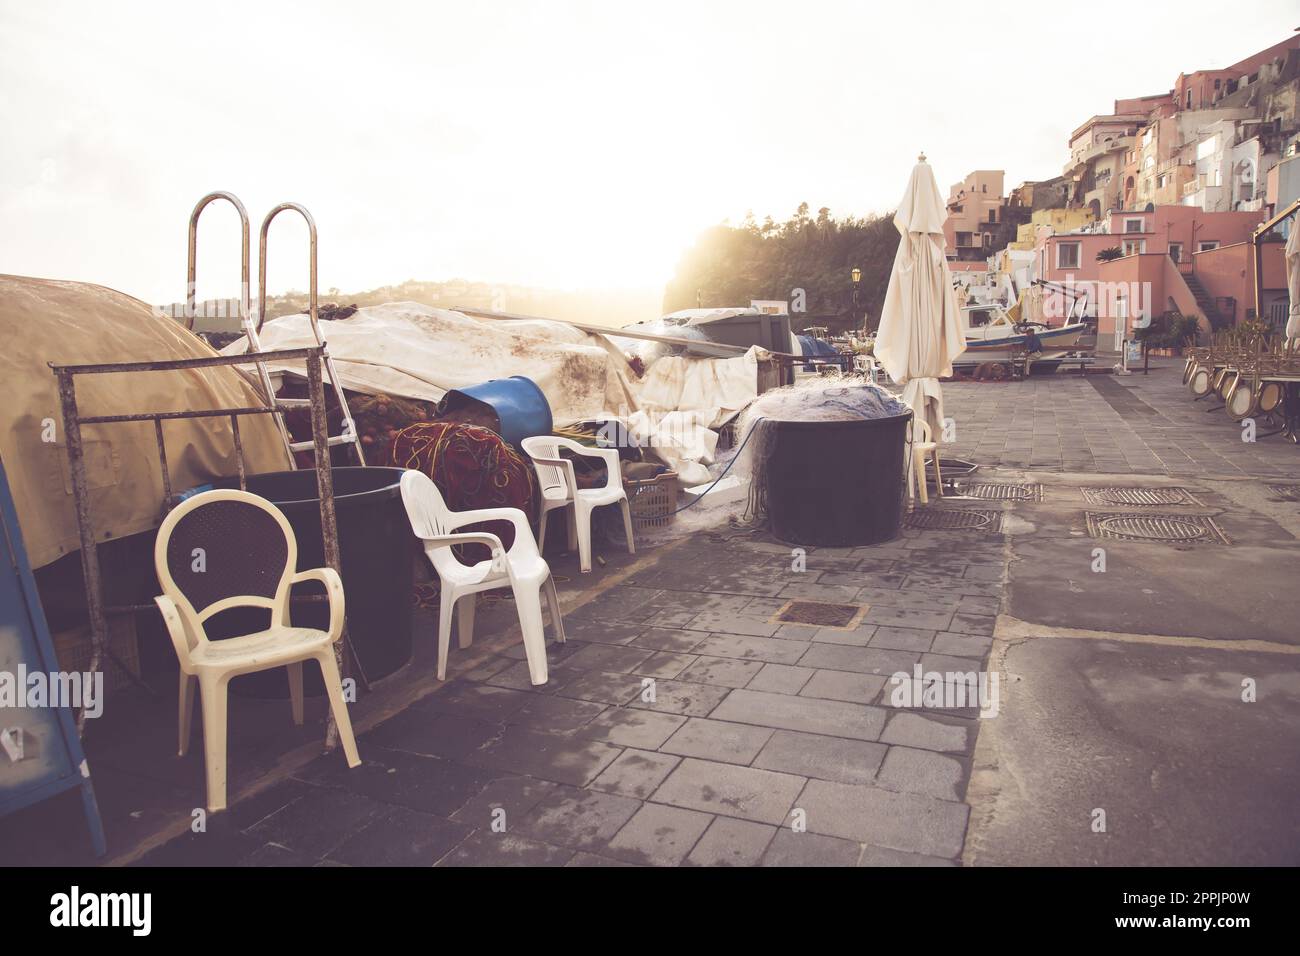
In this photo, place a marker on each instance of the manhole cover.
(1286, 492)
(934, 519)
(1003, 492)
(1139, 496)
(819, 614)
(1171, 529)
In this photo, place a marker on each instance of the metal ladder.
(251, 328)
(349, 434)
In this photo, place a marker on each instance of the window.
(1176, 251)
(1133, 225)
(1189, 99)
(993, 215)
(963, 239)
(978, 318)
(1133, 247)
(1067, 255)
(1207, 244)
(1162, 180)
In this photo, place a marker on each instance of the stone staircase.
(1206, 303)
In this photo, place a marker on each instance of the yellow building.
(1057, 220)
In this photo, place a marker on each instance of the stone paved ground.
(756, 726)
(749, 722)
(1136, 424)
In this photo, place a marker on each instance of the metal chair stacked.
(1251, 375)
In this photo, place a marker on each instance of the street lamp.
(856, 275)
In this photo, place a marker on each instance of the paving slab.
(485, 848)
(898, 821)
(789, 848)
(635, 773)
(580, 819)
(548, 756)
(730, 791)
(812, 715)
(744, 647)
(658, 835)
(780, 679)
(731, 842)
(401, 838)
(922, 771)
(928, 732)
(827, 758)
(717, 740)
(633, 728)
(680, 697)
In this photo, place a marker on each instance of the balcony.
(1086, 156)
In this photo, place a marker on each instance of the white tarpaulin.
(920, 324)
(416, 351)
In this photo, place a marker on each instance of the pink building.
(974, 215)
(1202, 89)
(1160, 250)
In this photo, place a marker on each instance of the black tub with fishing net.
(828, 463)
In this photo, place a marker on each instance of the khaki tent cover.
(68, 323)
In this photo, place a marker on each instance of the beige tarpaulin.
(920, 326)
(68, 323)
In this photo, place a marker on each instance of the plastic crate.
(653, 502)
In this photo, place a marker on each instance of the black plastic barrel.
(376, 554)
(835, 483)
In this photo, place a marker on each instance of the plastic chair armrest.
(333, 589)
(614, 474)
(499, 553)
(177, 630)
(523, 531)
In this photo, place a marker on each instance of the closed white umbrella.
(1293, 280)
(920, 326)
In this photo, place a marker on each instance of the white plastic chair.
(225, 549)
(522, 569)
(925, 446)
(560, 489)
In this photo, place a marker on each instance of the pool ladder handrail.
(349, 434)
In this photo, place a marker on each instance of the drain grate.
(1168, 529)
(996, 491)
(1144, 497)
(820, 614)
(1286, 492)
(952, 519)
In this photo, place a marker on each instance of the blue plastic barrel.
(519, 405)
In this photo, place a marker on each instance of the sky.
(565, 145)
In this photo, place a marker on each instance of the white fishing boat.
(992, 335)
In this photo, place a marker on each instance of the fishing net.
(473, 468)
